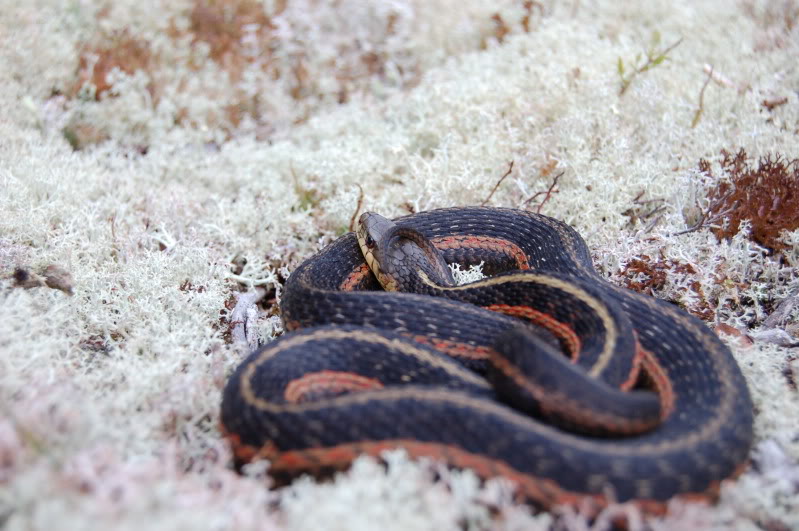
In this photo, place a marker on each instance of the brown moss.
(224, 323)
(239, 35)
(528, 6)
(502, 29)
(120, 51)
(648, 275)
(766, 193)
(221, 24)
(654, 275)
(776, 21)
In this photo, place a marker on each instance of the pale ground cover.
(236, 150)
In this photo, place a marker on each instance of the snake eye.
(370, 242)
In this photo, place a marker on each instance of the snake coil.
(371, 370)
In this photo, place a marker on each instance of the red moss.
(766, 193)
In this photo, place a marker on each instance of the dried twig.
(652, 224)
(501, 29)
(547, 194)
(723, 80)
(706, 219)
(528, 6)
(698, 114)
(244, 317)
(772, 104)
(487, 199)
(777, 336)
(53, 276)
(639, 201)
(656, 209)
(782, 313)
(357, 208)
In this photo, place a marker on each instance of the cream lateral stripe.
(611, 332)
(507, 414)
(388, 284)
(368, 337)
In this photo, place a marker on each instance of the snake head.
(402, 259)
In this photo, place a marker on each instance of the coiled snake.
(458, 376)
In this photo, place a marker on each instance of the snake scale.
(365, 370)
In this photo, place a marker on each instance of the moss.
(121, 51)
(766, 193)
(223, 25)
(649, 276)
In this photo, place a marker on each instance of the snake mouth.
(371, 232)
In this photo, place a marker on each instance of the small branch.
(698, 114)
(547, 195)
(656, 211)
(706, 219)
(487, 199)
(698, 225)
(723, 80)
(653, 59)
(357, 208)
(782, 312)
(639, 201)
(655, 206)
(243, 317)
(501, 28)
(528, 6)
(247, 281)
(772, 104)
(776, 336)
(652, 224)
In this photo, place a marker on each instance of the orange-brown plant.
(766, 193)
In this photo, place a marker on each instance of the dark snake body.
(415, 398)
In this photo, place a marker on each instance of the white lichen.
(110, 398)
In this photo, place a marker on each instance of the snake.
(573, 388)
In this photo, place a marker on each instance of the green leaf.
(620, 67)
(655, 39)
